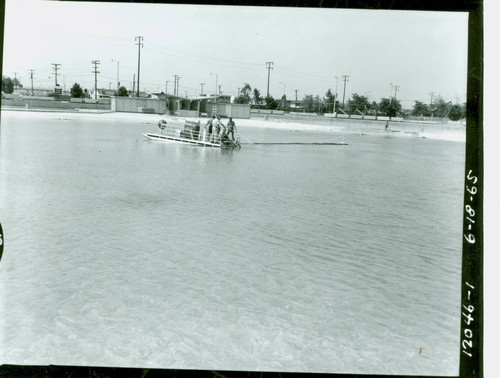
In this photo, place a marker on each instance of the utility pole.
(55, 68)
(220, 91)
(216, 85)
(117, 74)
(346, 79)
(430, 106)
(269, 68)
(31, 76)
(139, 43)
(202, 84)
(133, 86)
(396, 87)
(176, 85)
(95, 63)
(166, 86)
(15, 80)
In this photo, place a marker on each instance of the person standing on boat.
(215, 129)
(208, 129)
(231, 128)
(222, 131)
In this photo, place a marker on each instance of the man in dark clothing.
(231, 128)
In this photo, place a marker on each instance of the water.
(120, 251)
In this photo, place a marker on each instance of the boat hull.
(193, 142)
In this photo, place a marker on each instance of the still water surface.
(120, 251)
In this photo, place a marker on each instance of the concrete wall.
(187, 113)
(138, 105)
(238, 111)
(228, 110)
(266, 111)
(54, 104)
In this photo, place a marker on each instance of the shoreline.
(347, 126)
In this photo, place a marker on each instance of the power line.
(164, 48)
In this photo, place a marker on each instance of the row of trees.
(8, 84)
(357, 104)
(440, 108)
(316, 104)
(77, 91)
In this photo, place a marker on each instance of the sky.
(407, 54)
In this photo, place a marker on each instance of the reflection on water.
(128, 252)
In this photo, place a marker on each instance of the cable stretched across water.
(341, 143)
(301, 143)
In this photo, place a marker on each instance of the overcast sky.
(420, 52)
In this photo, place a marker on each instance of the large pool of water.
(121, 251)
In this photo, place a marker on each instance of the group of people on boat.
(215, 131)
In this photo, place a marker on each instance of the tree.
(357, 103)
(76, 91)
(244, 96)
(456, 112)
(313, 104)
(329, 100)
(420, 109)
(282, 102)
(7, 85)
(441, 108)
(17, 83)
(122, 91)
(271, 103)
(390, 107)
(320, 104)
(308, 103)
(257, 99)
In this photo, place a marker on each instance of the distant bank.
(452, 131)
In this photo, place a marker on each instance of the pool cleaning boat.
(179, 130)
